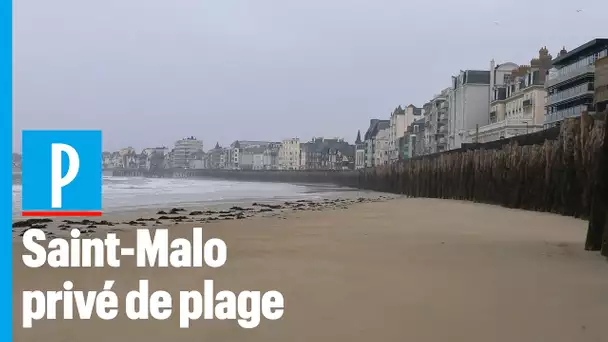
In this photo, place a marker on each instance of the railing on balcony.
(566, 113)
(570, 93)
(562, 77)
(512, 123)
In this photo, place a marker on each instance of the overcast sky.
(148, 72)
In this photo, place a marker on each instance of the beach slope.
(400, 270)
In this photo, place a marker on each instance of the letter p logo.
(58, 181)
(61, 173)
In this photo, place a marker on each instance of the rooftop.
(580, 51)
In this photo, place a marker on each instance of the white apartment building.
(517, 100)
(469, 105)
(184, 148)
(289, 154)
(382, 147)
(397, 128)
(375, 126)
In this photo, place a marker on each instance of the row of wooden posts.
(562, 171)
(567, 175)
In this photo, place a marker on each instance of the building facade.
(601, 84)
(382, 147)
(375, 125)
(518, 102)
(289, 154)
(359, 152)
(570, 83)
(327, 154)
(217, 157)
(413, 143)
(397, 128)
(271, 156)
(435, 117)
(183, 149)
(469, 105)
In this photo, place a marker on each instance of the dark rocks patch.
(163, 217)
(30, 222)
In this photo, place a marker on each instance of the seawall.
(562, 170)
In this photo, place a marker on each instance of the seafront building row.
(505, 100)
(289, 154)
(478, 106)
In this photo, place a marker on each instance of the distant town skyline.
(150, 72)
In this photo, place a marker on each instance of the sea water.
(131, 193)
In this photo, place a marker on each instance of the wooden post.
(599, 203)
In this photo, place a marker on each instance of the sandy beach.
(395, 270)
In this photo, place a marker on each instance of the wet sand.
(399, 270)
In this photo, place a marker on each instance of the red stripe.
(61, 213)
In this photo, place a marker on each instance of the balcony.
(571, 94)
(571, 112)
(443, 118)
(527, 103)
(556, 80)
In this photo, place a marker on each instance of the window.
(506, 78)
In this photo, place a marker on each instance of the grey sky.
(148, 72)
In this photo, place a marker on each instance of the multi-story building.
(238, 147)
(412, 113)
(271, 156)
(570, 83)
(435, 118)
(397, 128)
(469, 105)
(152, 157)
(289, 154)
(375, 125)
(382, 147)
(198, 160)
(412, 144)
(601, 84)
(327, 154)
(359, 152)
(217, 157)
(252, 158)
(128, 158)
(517, 101)
(184, 148)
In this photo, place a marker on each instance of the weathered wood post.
(599, 202)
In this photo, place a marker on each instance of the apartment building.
(375, 125)
(289, 154)
(397, 128)
(517, 99)
(327, 154)
(237, 148)
(217, 157)
(183, 149)
(382, 147)
(570, 83)
(468, 105)
(435, 118)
